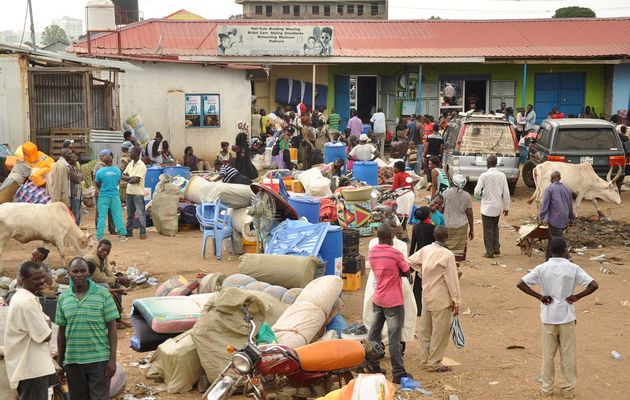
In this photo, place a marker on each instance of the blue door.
(563, 90)
(342, 99)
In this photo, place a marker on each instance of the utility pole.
(30, 11)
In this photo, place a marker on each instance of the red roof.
(555, 38)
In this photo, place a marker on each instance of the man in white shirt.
(557, 279)
(530, 118)
(27, 354)
(378, 119)
(363, 151)
(492, 189)
(134, 175)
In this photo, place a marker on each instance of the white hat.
(363, 138)
(459, 180)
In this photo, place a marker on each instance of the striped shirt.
(333, 121)
(87, 339)
(228, 173)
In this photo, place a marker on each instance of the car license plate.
(588, 160)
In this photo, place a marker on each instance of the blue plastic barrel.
(332, 250)
(151, 179)
(177, 171)
(307, 207)
(334, 151)
(366, 171)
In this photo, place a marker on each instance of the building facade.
(314, 9)
(72, 26)
(405, 67)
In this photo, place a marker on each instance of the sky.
(13, 13)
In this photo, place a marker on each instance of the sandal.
(442, 368)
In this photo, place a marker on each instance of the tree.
(435, 17)
(574, 12)
(52, 34)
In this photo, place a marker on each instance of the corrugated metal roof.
(555, 38)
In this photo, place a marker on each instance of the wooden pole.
(313, 95)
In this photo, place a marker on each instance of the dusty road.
(496, 314)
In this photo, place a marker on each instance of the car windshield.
(487, 138)
(585, 139)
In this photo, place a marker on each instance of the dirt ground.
(495, 314)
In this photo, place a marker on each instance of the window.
(350, 8)
(268, 10)
(585, 139)
(360, 9)
(296, 11)
(286, 10)
(202, 110)
(374, 9)
(487, 138)
(315, 10)
(340, 9)
(258, 10)
(327, 11)
(543, 138)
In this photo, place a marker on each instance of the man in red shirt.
(555, 114)
(400, 176)
(388, 264)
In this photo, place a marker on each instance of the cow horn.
(608, 177)
(616, 178)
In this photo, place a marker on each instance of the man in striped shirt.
(86, 315)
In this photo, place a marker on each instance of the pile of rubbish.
(594, 232)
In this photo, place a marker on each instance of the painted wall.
(266, 91)
(595, 78)
(14, 113)
(621, 87)
(157, 94)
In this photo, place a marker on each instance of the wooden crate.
(59, 135)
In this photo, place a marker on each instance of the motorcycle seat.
(331, 355)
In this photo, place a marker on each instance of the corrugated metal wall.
(58, 100)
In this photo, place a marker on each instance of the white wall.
(14, 115)
(157, 94)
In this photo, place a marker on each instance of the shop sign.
(274, 40)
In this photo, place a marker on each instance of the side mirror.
(374, 194)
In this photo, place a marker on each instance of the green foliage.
(52, 34)
(435, 17)
(574, 12)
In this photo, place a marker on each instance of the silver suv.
(469, 139)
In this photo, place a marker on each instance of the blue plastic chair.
(215, 223)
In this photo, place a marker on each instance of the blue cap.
(104, 152)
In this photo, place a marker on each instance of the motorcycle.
(278, 372)
(387, 207)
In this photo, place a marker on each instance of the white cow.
(581, 179)
(50, 223)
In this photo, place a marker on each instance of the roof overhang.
(329, 60)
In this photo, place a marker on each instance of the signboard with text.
(275, 40)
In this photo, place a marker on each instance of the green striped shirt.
(87, 339)
(333, 121)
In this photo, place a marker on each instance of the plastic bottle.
(616, 355)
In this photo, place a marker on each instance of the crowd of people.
(427, 268)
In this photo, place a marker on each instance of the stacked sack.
(305, 319)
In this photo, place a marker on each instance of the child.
(422, 233)
(224, 155)
(400, 176)
(436, 209)
(167, 156)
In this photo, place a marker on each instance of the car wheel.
(528, 174)
(512, 187)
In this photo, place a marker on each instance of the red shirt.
(558, 115)
(387, 263)
(400, 180)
